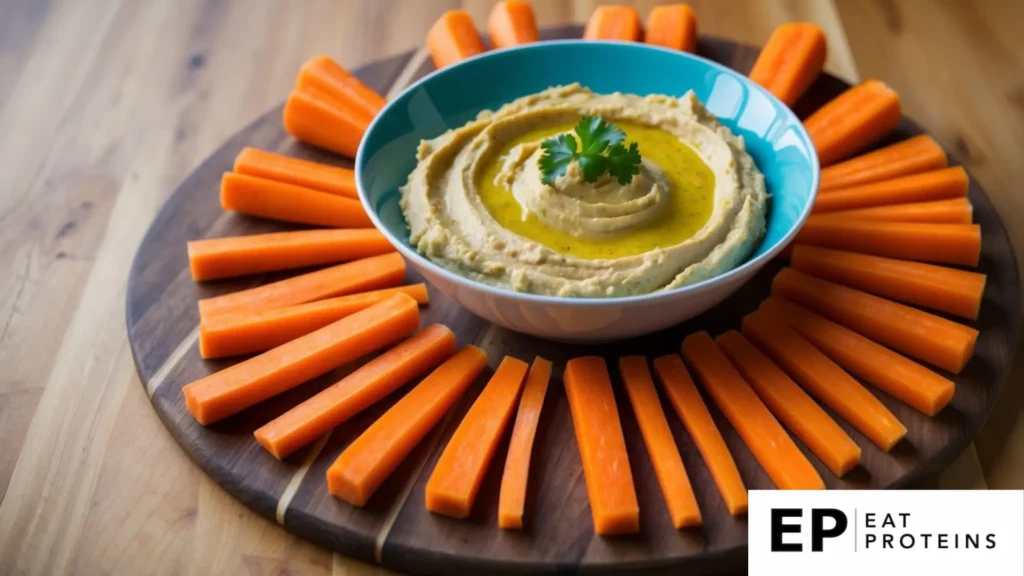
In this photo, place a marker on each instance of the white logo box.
(905, 532)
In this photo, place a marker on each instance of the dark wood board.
(395, 529)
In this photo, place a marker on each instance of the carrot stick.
(825, 380)
(791, 60)
(374, 455)
(289, 203)
(311, 116)
(371, 273)
(234, 389)
(905, 379)
(281, 168)
(941, 243)
(453, 38)
(606, 470)
(951, 211)
(853, 121)
(216, 258)
(324, 74)
(780, 457)
(512, 23)
(455, 481)
(356, 392)
(672, 26)
(791, 404)
(938, 184)
(947, 289)
(512, 499)
(924, 336)
(668, 465)
(224, 335)
(686, 400)
(911, 156)
(616, 22)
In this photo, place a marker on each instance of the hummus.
(476, 203)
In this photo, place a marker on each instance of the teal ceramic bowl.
(453, 96)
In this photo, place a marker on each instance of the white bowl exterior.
(573, 322)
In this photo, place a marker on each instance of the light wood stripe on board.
(412, 71)
(176, 355)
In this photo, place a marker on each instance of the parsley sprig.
(599, 149)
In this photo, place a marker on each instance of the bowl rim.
(751, 264)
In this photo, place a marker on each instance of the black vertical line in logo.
(854, 529)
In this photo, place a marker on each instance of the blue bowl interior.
(453, 96)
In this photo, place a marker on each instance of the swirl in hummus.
(476, 203)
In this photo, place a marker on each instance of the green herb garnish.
(599, 150)
(624, 163)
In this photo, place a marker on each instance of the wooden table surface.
(106, 105)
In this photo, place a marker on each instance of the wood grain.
(104, 106)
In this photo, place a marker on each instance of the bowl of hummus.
(587, 191)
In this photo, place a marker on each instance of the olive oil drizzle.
(690, 199)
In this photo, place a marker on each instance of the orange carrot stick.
(512, 23)
(311, 116)
(224, 335)
(374, 455)
(947, 289)
(672, 26)
(216, 258)
(455, 481)
(853, 121)
(905, 379)
(825, 380)
(941, 243)
(606, 470)
(668, 465)
(615, 22)
(791, 404)
(289, 203)
(791, 60)
(453, 38)
(938, 184)
(924, 336)
(371, 273)
(780, 457)
(512, 499)
(324, 74)
(356, 392)
(911, 156)
(234, 389)
(686, 400)
(951, 211)
(281, 168)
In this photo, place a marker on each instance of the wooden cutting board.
(395, 529)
